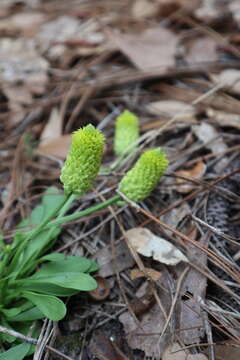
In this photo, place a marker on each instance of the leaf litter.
(176, 66)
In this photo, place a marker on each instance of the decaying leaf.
(196, 172)
(153, 49)
(123, 259)
(175, 216)
(192, 290)
(150, 245)
(145, 334)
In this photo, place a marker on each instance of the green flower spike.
(140, 181)
(83, 160)
(126, 131)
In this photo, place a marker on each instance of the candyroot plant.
(126, 133)
(33, 283)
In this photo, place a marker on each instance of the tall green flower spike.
(83, 160)
(139, 182)
(126, 131)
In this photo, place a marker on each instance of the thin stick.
(31, 341)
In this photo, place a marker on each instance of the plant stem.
(82, 213)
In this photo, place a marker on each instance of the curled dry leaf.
(150, 245)
(102, 291)
(154, 48)
(196, 172)
(151, 273)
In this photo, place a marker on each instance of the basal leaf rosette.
(141, 180)
(83, 160)
(126, 131)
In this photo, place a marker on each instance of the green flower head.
(83, 160)
(126, 131)
(139, 182)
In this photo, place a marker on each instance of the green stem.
(82, 213)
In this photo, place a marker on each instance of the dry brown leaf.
(229, 351)
(23, 73)
(53, 35)
(174, 352)
(123, 259)
(171, 108)
(150, 245)
(57, 147)
(151, 273)
(143, 9)
(210, 10)
(154, 48)
(196, 172)
(175, 216)
(193, 288)
(26, 24)
(53, 129)
(223, 118)
(103, 348)
(230, 79)
(210, 137)
(202, 50)
(234, 7)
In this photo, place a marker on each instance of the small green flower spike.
(140, 181)
(83, 160)
(126, 131)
